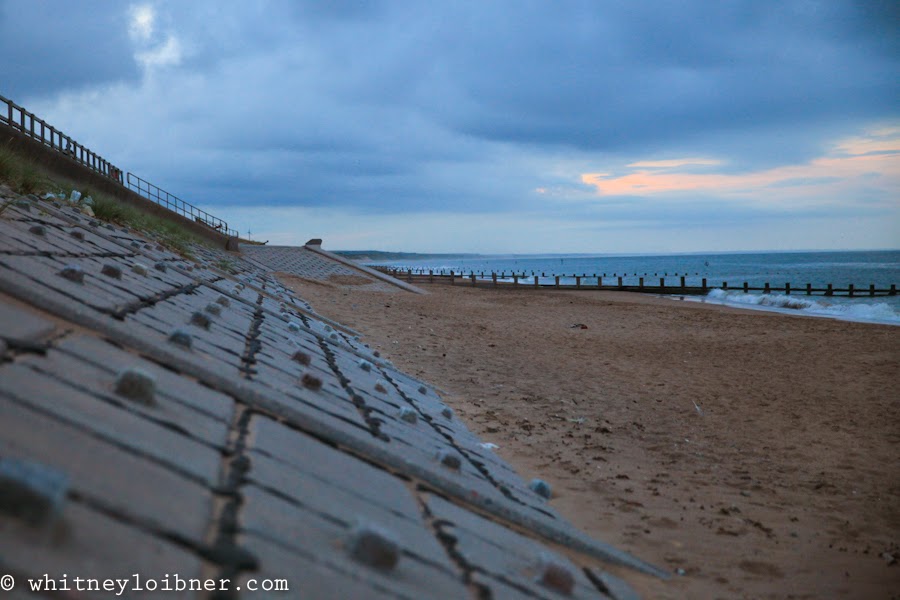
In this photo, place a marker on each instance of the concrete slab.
(104, 474)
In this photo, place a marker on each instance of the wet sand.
(757, 454)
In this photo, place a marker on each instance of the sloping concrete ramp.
(166, 423)
(312, 262)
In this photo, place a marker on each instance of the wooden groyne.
(654, 285)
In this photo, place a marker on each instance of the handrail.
(16, 117)
(176, 204)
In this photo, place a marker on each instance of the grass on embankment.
(25, 176)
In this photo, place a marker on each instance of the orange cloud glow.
(875, 157)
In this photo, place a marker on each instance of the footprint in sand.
(756, 567)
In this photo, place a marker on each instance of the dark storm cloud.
(49, 46)
(648, 76)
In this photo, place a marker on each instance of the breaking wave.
(846, 310)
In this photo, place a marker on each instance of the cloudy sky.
(488, 126)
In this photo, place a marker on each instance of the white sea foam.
(847, 310)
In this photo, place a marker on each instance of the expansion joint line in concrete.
(359, 402)
(151, 301)
(253, 345)
(448, 543)
(428, 419)
(223, 548)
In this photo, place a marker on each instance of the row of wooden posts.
(522, 280)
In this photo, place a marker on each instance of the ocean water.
(881, 268)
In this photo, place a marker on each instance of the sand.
(756, 455)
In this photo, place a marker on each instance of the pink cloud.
(874, 157)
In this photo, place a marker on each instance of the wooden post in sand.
(557, 280)
(409, 275)
(746, 288)
(535, 282)
(872, 289)
(787, 289)
(494, 279)
(430, 276)
(893, 291)
(724, 285)
(850, 290)
(452, 278)
(641, 283)
(515, 280)
(766, 288)
(704, 285)
(620, 282)
(829, 291)
(599, 281)
(472, 275)
(578, 282)
(662, 283)
(809, 289)
(682, 284)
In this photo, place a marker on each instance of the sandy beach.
(756, 455)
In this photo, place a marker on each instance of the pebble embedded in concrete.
(311, 382)
(111, 270)
(73, 273)
(200, 320)
(554, 575)
(31, 491)
(138, 385)
(181, 338)
(409, 415)
(541, 488)
(373, 546)
(450, 459)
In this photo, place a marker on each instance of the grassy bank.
(27, 176)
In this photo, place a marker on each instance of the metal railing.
(16, 117)
(176, 204)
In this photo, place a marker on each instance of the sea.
(839, 268)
